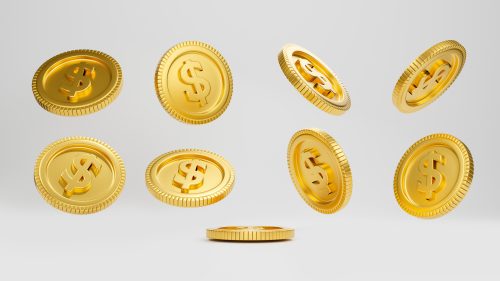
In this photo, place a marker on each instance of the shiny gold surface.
(313, 79)
(190, 178)
(429, 76)
(433, 176)
(79, 175)
(250, 233)
(319, 170)
(193, 82)
(77, 82)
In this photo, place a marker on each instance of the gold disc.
(319, 170)
(77, 82)
(190, 178)
(79, 175)
(429, 76)
(193, 82)
(313, 79)
(433, 176)
(250, 233)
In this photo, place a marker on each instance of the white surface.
(367, 44)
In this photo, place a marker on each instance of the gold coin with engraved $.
(77, 82)
(313, 79)
(250, 233)
(79, 175)
(319, 170)
(433, 176)
(193, 82)
(190, 178)
(429, 76)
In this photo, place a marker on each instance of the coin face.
(319, 170)
(433, 176)
(79, 175)
(250, 233)
(190, 178)
(77, 82)
(313, 79)
(429, 76)
(193, 82)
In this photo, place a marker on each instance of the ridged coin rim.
(249, 233)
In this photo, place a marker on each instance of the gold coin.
(319, 170)
(79, 175)
(77, 82)
(313, 79)
(433, 176)
(429, 76)
(193, 82)
(190, 178)
(250, 233)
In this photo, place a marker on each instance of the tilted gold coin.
(250, 233)
(79, 175)
(193, 82)
(190, 178)
(77, 82)
(433, 176)
(313, 79)
(429, 76)
(319, 170)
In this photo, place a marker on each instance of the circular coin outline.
(250, 233)
(345, 169)
(303, 87)
(163, 94)
(188, 202)
(416, 67)
(459, 190)
(111, 94)
(49, 152)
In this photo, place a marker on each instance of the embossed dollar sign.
(190, 175)
(315, 174)
(430, 80)
(432, 179)
(201, 87)
(80, 82)
(78, 177)
(311, 74)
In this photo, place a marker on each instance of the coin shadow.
(248, 242)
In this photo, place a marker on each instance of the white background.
(367, 43)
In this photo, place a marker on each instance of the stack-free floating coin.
(77, 82)
(250, 233)
(193, 82)
(433, 176)
(79, 175)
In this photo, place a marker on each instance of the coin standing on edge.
(250, 233)
(313, 79)
(429, 76)
(190, 178)
(77, 82)
(319, 170)
(433, 176)
(193, 82)
(79, 175)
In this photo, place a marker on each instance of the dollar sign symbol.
(316, 173)
(201, 87)
(78, 177)
(79, 82)
(432, 179)
(429, 81)
(190, 175)
(311, 74)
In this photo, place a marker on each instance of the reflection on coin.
(250, 233)
(313, 79)
(190, 178)
(77, 82)
(193, 82)
(433, 176)
(79, 175)
(429, 76)
(319, 170)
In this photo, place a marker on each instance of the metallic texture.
(250, 233)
